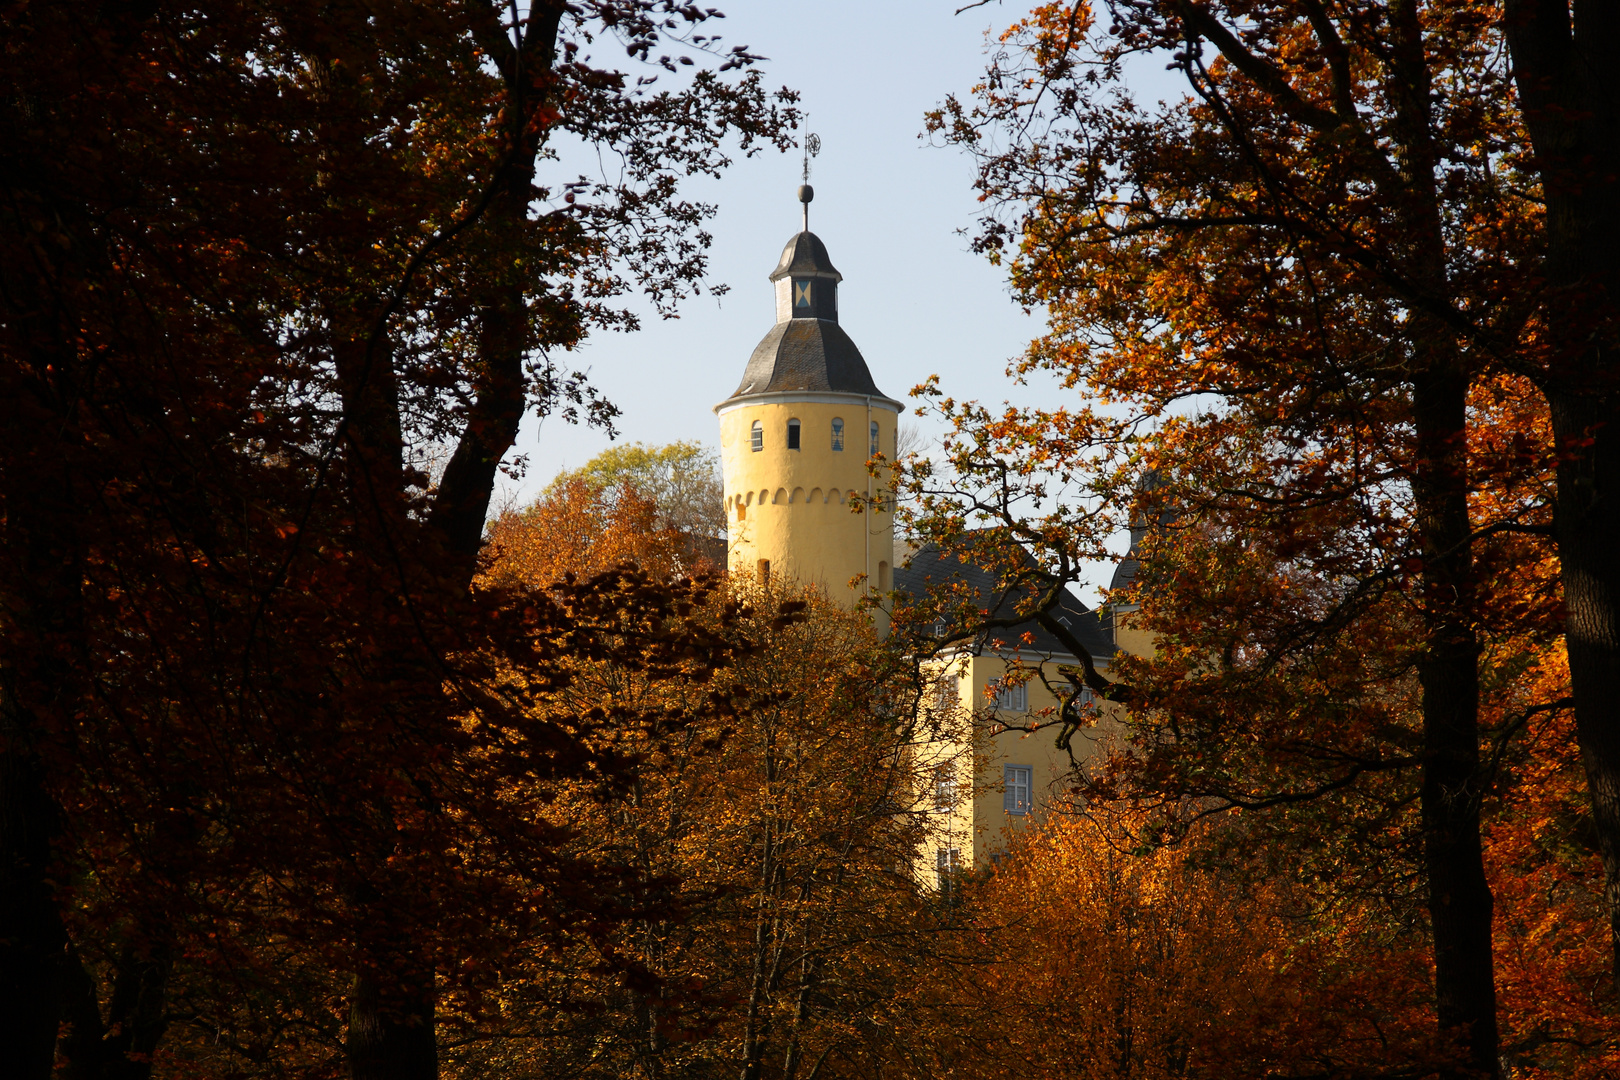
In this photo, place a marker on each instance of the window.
(756, 437)
(1013, 698)
(838, 433)
(945, 692)
(944, 788)
(947, 862)
(742, 511)
(1016, 781)
(939, 626)
(793, 434)
(874, 438)
(762, 571)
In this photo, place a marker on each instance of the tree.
(577, 529)
(1103, 956)
(1325, 239)
(781, 827)
(1559, 66)
(682, 479)
(257, 261)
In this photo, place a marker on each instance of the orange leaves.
(578, 531)
(1102, 955)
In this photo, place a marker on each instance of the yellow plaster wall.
(978, 826)
(1128, 637)
(792, 506)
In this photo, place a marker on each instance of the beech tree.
(782, 829)
(1326, 239)
(682, 479)
(1573, 127)
(1104, 956)
(259, 260)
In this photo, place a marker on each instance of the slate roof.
(1124, 571)
(807, 354)
(806, 255)
(931, 566)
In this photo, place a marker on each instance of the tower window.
(762, 571)
(756, 437)
(874, 437)
(793, 434)
(838, 433)
(803, 303)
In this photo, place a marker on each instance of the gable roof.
(930, 566)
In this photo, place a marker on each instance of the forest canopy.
(315, 762)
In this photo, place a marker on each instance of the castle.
(795, 440)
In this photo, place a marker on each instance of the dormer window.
(838, 433)
(756, 437)
(793, 434)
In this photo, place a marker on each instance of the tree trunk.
(392, 1029)
(120, 1048)
(1459, 897)
(32, 938)
(391, 1035)
(1588, 533)
(1567, 81)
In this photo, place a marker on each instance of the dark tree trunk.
(120, 1048)
(1459, 897)
(392, 1025)
(1588, 533)
(1570, 87)
(32, 938)
(391, 1034)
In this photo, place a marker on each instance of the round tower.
(795, 439)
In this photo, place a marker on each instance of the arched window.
(838, 433)
(756, 437)
(874, 437)
(793, 434)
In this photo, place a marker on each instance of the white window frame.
(1017, 789)
(945, 794)
(1012, 698)
(947, 864)
(756, 437)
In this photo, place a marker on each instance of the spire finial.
(812, 147)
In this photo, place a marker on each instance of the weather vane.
(812, 147)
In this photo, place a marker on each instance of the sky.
(891, 208)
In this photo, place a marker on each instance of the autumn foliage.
(309, 768)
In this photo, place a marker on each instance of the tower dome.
(796, 436)
(806, 350)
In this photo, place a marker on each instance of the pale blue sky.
(889, 206)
